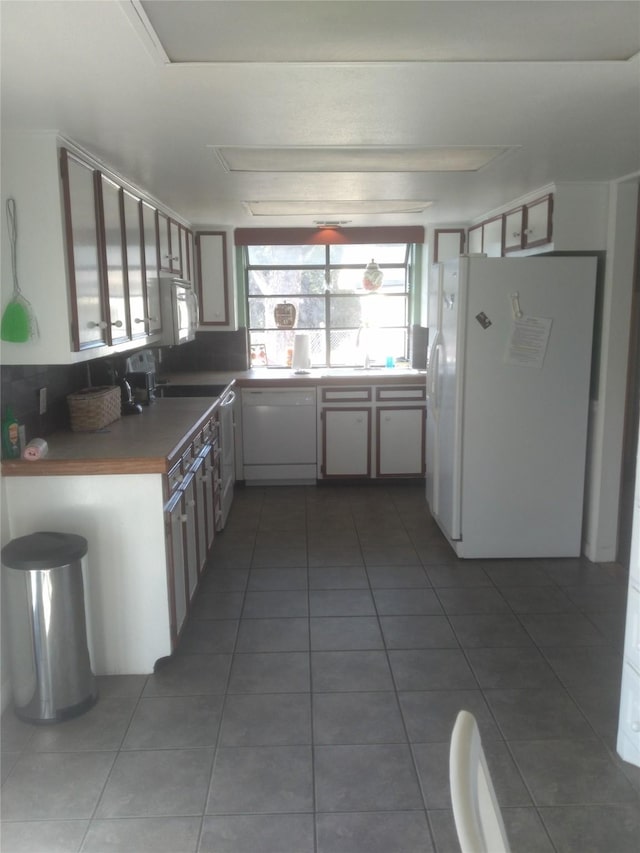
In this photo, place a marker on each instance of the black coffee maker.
(111, 372)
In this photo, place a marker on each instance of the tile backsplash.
(21, 383)
(20, 387)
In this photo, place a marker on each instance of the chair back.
(476, 810)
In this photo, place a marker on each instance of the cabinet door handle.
(184, 518)
(97, 325)
(141, 320)
(118, 324)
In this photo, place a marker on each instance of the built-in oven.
(227, 432)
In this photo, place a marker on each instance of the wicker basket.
(94, 408)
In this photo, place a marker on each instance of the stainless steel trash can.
(51, 675)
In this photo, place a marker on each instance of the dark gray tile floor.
(310, 704)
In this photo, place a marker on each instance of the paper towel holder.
(301, 360)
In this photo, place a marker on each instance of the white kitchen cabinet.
(209, 478)
(88, 308)
(215, 279)
(474, 240)
(113, 260)
(371, 431)
(346, 442)
(400, 447)
(57, 190)
(448, 243)
(185, 237)
(151, 319)
(176, 519)
(134, 247)
(514, 225)
(191, 533)
(493, 236)
(529, 225)
(560, 217)
(169, 245)
(538, 227)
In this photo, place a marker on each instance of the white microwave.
(179, 305)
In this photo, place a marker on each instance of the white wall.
(607, 412)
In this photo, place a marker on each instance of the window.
(345, 323)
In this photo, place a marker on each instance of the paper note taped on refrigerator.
(528, 341)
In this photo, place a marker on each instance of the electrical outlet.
(43, 400)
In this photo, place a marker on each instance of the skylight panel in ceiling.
(354, 159)
(335, 208)
(346, 31)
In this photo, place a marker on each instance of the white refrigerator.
(508, 403)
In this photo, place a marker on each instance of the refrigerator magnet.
(484, 321)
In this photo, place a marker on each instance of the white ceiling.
(169, 91)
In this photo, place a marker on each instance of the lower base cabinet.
(346, 442)
(401, 437)
(371, 431)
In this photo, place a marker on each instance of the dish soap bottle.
(10, 436)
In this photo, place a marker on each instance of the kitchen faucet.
(367, 359)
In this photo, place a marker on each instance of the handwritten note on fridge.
(528, 341)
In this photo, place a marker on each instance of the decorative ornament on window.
(373, 275)
(285, 315)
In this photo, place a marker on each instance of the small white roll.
(36, 449)
(301, 357)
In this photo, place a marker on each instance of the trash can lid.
(43, 550)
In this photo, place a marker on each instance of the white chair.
(475, 807)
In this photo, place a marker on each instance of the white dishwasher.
(279, 435)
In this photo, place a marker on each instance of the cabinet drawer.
(346, 395)
(406, 392)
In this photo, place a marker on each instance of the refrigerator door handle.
(434, 364)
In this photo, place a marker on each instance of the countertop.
(134, 444)
(267, 376)
(147, 443)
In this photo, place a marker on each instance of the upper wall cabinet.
(448, 243)
(529, 225)
(87, 252)
(151, 318)
(474, 239)
(89, 326)
(133, 242)
(571, 218)
(214, 276)
(114, 262)
(493, 237)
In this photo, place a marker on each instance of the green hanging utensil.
(18, 322)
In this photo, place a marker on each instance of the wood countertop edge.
(71, 467)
